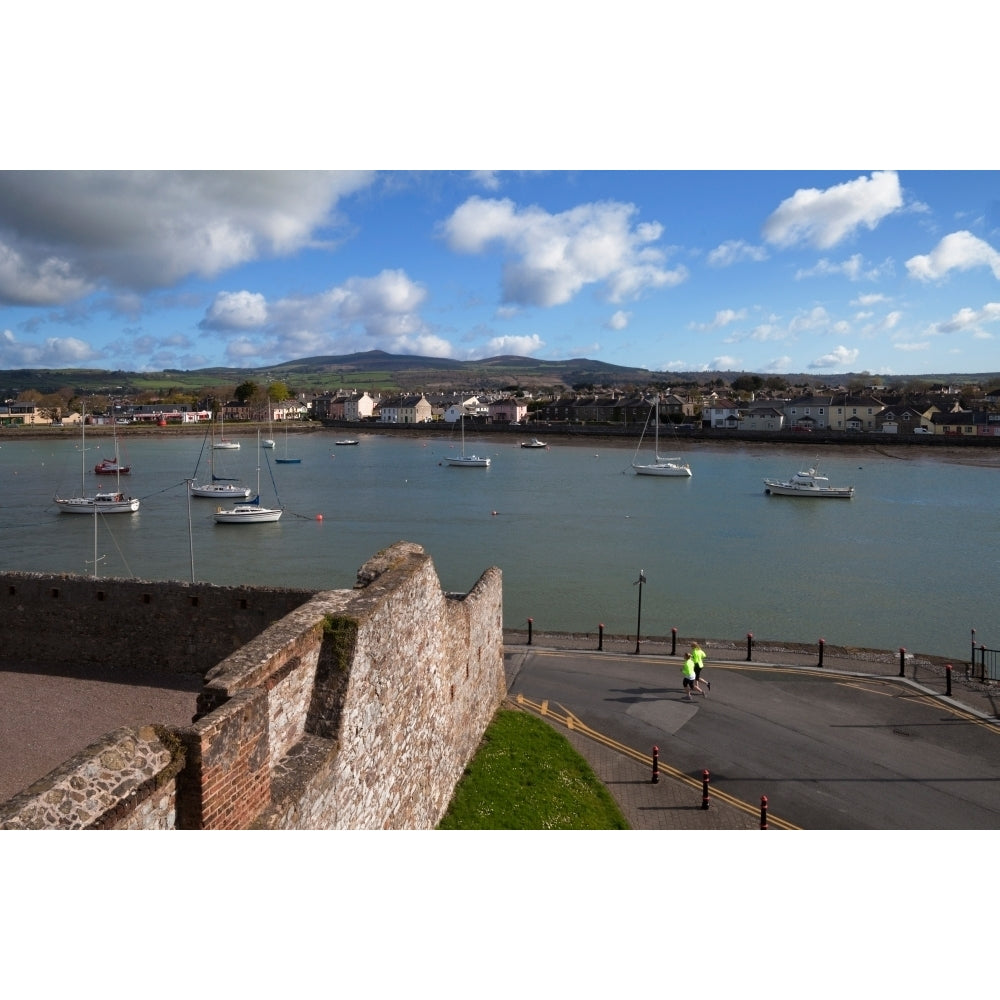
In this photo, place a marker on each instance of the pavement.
(674, 801)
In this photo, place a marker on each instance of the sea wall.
(132, 626)
(355, 709)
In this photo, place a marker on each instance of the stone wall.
(173, 627)
(354, 710)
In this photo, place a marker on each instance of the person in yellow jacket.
(699, 664)
(690, 679)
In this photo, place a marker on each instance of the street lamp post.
(638, 620)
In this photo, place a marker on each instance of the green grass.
(526, 776)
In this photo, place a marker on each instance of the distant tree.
(747, 383)
(277, 392)
(246, 391)
(775, 383)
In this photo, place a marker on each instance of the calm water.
(913, 560)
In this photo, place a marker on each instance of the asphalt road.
(830, 751)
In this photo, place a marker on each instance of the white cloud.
(523, 346)
(550, 258)
(65, 233)
(734, 252)
(870, 299)
(724, 363)
(618, 320)
(969, 319)
(824, 218)
(912, 346)
(959, 251)
(838, 358)
(236, 311)
(782, 364)
(853, 268)
(361, 314)
(52, 352)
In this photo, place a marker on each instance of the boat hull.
(247, 514)
(663, 469)
(99, 503)
(469, 462)
(220, 492)
(801, 490)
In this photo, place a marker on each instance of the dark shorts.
(689, 682)
(697, 672)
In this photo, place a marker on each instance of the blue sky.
(892, 272)
(643, 209)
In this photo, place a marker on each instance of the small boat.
(109, 502)
(659, 466)
(218, 487)
(105, 502)
(224, 444)
(807, 483)
(285, 460)
(251, 512)
(346, 442)
(111, 467)
(534, 443)
(464, 461)
(268, 442)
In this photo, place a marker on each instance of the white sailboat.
(224, 444)
(103, 501)
(659, 466)
(218, 487)
(268, 442)
(464, 461)
(251, 512)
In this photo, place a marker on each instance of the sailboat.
(286, 460)
(659, 466)
(112, 466)
(102, 502)
(219, 487)
(268, 442)
(464, 461)
(224, 444)
(251, 512)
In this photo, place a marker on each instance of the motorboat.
(807, 483)
(346, 441)
(534, 443)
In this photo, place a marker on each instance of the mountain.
(387, 373)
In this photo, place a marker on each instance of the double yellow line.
(566, 718)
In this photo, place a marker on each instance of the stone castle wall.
(350, 709)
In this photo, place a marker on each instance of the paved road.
(830, 751)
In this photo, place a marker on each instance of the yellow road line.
(570, 721)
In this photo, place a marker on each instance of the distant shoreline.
(973, 451)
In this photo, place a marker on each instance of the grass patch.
(526, 776)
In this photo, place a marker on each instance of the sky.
(767, 271)
(672, 190)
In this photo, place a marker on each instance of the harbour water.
(912, 560)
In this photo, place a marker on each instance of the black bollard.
(531, 622)
(822, 643)
(763, 812)
(749, 645)
(600, 636)
(704, 789)
(948, 676)
(902, 662)
(656, 765)
(673, 642)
